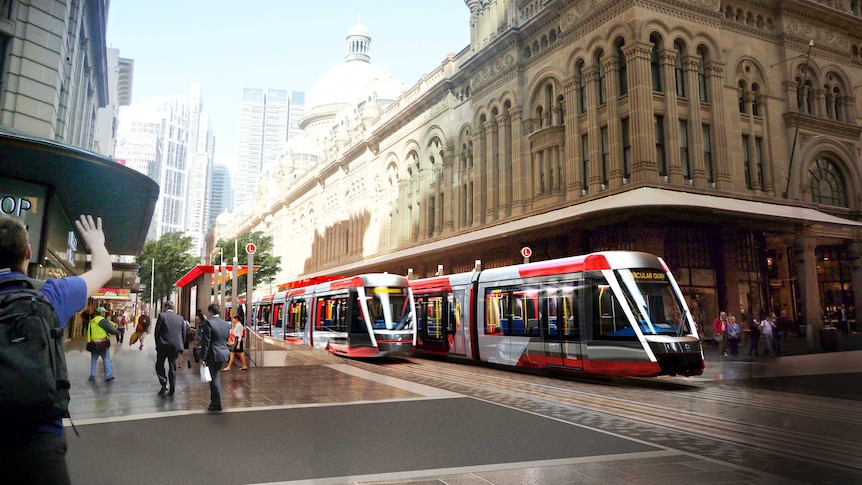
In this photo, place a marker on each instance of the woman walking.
(237, 331)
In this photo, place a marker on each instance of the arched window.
(755, 92)
(701, 74)
(582, 105)
(679, 75)
(827, 183)
(743, 88)
(655, 66)
(622, 74)
(601, 85)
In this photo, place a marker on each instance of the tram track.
(770, 420)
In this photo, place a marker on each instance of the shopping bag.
(205, 374)
(135, 337)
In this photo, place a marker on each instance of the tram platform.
(309, 417)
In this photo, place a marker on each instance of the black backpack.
(34, 382)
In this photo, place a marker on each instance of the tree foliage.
(172, 261)
(269, 265)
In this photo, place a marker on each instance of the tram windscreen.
(652, 300)
(389, 308)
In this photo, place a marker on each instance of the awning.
(85, 182)
(631, 199)
(203, 269)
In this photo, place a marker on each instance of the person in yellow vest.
(98, 344)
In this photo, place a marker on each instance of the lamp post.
(152, 284)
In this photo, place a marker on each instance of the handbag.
(205, 374)
(231, 342)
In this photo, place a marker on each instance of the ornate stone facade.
(714, 134)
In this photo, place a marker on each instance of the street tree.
(172, 261)
(269, 265)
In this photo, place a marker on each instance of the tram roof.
(85, 182)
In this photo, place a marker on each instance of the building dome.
(347, 82)
(343, 83)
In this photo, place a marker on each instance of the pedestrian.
(843, 324)
(767, 329)
(99, 345)
(142, 327)
(39, 454)
(733, 335)
(784, 324)
(169, 337)
(238, 332)
(719, 333)
(120, 320)
(754, 327)
(214, 352)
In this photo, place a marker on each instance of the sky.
(281, 44)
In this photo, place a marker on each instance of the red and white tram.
(614, 313)
(360, 316)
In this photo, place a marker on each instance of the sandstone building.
(723, 136)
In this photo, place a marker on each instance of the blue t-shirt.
(68, 295)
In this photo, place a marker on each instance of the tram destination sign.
(649, 275)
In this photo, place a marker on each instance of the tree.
(172, 261)
(269, 265)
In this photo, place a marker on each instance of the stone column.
(715, 73)
(695, 125)
(519, 170)
(615, 137)
(573, 182)
(492, 170)
(809, 292)
(641, 118)
(768, 172)
(479, 167)
(790, 96)
(675, 175)
(751, 149)
(591, 74)
(504, 166)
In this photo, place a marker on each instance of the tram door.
(561, 325)
(432, 316)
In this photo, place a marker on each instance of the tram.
(614, 313)
(361, 316)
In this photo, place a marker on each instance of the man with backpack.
(32, 443)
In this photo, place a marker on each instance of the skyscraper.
(262, 135)
(201, 152)
(294, 114)
(171, 141)
(220, 193)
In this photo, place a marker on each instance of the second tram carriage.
(614, 313)
(360, 316)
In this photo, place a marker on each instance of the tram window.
(525, 314)
(280, 315)
(333, 315)
(389, 308)
(433, 313)
(299, 314)
(497, 309)
(454, 315)
(563, 312)
(653, 301)
(609, 320)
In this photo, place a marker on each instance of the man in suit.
(214, 352)
(169, 336)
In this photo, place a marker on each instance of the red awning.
(203, 269)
